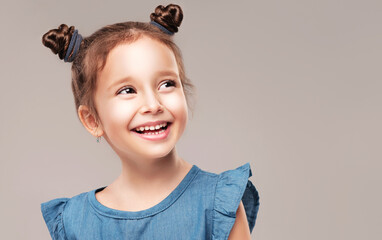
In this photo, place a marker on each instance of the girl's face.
(139, 86)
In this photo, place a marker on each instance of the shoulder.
(56, 212)
(206, 178)
(233, 188)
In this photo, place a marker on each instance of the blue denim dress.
(202, 206)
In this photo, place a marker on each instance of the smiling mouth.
(151, 131)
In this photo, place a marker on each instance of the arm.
(240, 229)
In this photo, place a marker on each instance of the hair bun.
(58, 39)
(169, 17)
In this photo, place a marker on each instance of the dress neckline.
(161, 206)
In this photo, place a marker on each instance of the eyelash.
(171, 82)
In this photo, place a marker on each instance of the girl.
(130, 87)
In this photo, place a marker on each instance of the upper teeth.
(151, 127)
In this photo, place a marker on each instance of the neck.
(152, 175)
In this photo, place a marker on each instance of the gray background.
(293, 87)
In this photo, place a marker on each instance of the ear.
(89, 121)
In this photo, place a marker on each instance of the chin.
(158, 153)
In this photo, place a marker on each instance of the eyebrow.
(126, 79)
(157, 74)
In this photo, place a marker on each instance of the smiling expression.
(139, 86)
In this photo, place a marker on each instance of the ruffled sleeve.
(52, 213)
(232, 187)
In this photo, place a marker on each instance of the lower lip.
(155, 137)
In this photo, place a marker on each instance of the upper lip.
(150, 124)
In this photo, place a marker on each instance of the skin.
(150, 170)
(240, 229)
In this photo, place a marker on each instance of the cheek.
(177, 105)
(116, 115)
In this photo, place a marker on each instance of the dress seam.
(62, 221)
(214, 211)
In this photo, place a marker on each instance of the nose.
(151, 104)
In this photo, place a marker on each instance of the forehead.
(140, 59)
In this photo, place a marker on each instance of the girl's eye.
(168, 83)
(128, 90)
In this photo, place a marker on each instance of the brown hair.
(94, 49)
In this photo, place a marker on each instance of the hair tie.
(162, 28)
(74, 45)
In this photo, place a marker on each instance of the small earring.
(98, 137)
